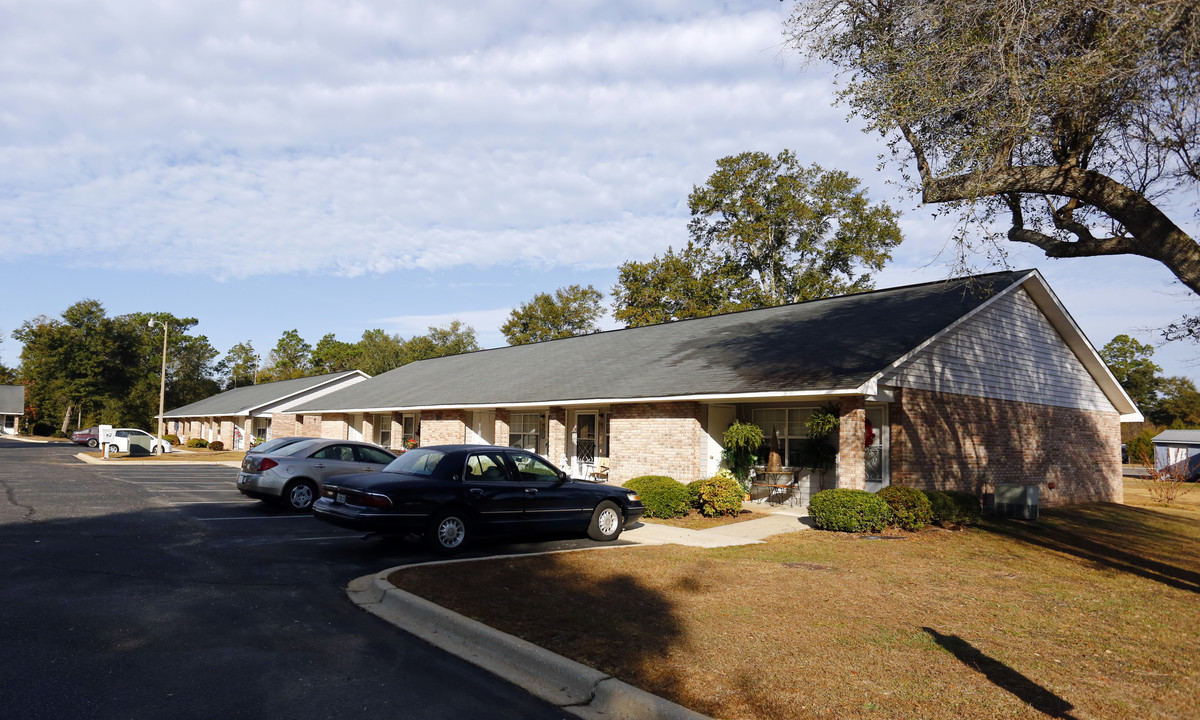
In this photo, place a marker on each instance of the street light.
(162, 382)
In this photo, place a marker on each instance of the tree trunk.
(67, 418)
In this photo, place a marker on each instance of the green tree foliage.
(240, 365)
(688, 284)
(1178, 405)
(332, 355)
(1068, 120)
(800, 233)
(379, 352)
(90, 368)
(570, 311)
(291, 358)
(451, 339)
(1130, 363)
(764, 231)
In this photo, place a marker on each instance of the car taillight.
(266, 464)
(378, 501)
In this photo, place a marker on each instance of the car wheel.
(606, 522)
(113, 449)
(299, 496)
(448, 532)
(93, 443)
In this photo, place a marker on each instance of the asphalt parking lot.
(140, 591)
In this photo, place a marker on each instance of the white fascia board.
(294, 396)
(716, 397)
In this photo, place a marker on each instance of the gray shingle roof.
(12, 399)
(1181, 437)
(241, 401)
(832, 344)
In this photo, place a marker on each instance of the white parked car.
(119, 442)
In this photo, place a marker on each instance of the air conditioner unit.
(1017, 501)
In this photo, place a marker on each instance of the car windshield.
(295, 448)
(416, 462)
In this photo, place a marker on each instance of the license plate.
(243, 480)
(340, 498)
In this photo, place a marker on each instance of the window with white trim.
(524, 431)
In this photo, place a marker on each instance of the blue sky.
(337, 167)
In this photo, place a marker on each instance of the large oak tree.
(1066, 121)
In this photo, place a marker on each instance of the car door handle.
(477, 492)
(320, 465)
(366, 469)
(531, 491)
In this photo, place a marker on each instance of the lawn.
(1090, 612)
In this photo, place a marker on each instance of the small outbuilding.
(12, 408)
(1178, 450)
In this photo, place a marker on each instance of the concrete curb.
(578, 689)
(93, 460)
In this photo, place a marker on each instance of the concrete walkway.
(578, 689)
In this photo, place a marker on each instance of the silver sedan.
(292, 475)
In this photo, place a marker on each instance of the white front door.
(585, 440)
(720, 417)
(354, 427)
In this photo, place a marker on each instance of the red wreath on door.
(869, 436)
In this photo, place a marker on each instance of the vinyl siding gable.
(1007, 351)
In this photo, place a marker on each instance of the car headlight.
(633, 497)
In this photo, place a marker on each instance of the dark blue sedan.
(450, 493)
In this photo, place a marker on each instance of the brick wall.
(657, 439)
(957, 442)
(333, 426)
(443, 427)
(851, 459)
(311, 426)
(284, 425)
(502, 427)
(556, 432)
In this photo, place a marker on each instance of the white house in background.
(1179, 450)
(12, 407)
(235, 416)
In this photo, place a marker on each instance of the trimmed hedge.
(719, 495)
(954, 507)
(664, 497)
(909, 506)
(171, 438)
(216, 446)
(846, 510)
(197, 443)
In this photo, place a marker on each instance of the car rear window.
(416, 462)
(294, 448)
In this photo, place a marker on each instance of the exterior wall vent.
(1017, 501)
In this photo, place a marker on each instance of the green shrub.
(719, 495)
(216, 446)
(1140, 449)
(664, 497)
(693, 489)
(197, 443)
(41, 428)
(954, 507)
(849, 511)
(171, 438)
(909, 506)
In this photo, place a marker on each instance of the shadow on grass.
(1132, 540)
(581, 612)
(1002, 676)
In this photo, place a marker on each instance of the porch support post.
(556, 431)
(851, 463)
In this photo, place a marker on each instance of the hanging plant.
(741, 442)
(824, 421)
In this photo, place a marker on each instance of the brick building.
(950, 385)
(235, 416)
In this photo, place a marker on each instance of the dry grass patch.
(695, 521)
(1088, 613)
